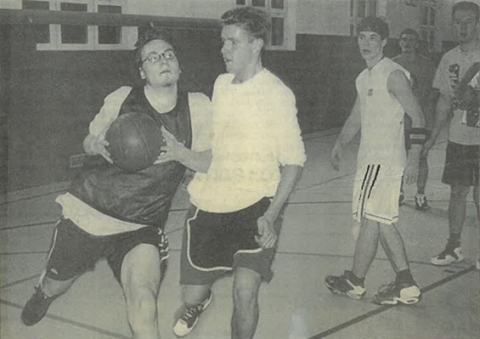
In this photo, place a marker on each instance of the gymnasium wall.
(51, 96)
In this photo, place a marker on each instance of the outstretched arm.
(349, 130)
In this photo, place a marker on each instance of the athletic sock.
(453, 241)
(405, 276)
(356, 280)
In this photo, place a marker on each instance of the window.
(258, 3)
(42, 31)
(278, 4)
(277, 9)
(81, 37)
(109, 35)
(427, 23)
(74, 34)
(360, 9)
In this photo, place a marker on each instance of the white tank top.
(382, 140)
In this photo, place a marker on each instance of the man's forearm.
(441, 115)
(289, 178)
(196, 161)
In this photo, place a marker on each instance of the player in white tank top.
(383, 96)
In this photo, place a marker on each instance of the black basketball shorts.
(461, 165)
(217, 243)
(74, 251)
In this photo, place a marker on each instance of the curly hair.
(152, 33)
(254, 21)
(374, 24)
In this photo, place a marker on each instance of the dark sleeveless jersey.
(142, 197)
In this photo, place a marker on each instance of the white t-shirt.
(450, 72)
(255, 130)
(99, 224)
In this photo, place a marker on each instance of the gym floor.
(315, 242)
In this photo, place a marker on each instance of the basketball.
(134, 141)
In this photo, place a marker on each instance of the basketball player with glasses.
(120, 215)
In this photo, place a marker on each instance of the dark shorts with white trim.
(216, 243)
(74, 251)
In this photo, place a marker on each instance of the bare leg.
(476, 200)
(140, 279)
(245, 303)
(422, 175)
(365, 248)
(195, 294)
(457, 208)
(52, 288)
(393, 245)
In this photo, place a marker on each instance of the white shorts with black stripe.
(375, 193)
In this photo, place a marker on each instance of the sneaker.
(448, 256)
(36, 308)
(392, 294)
(421, 202)
(185, 324)
(478, 264)
(401, 199)
(343, 286)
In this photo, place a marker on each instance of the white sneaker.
(185, 324)
(448, 257)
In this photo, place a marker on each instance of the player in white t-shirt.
(456, 79)
(237, 199)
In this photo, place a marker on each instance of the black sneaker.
(421, 202)
(185, 324)
(394, 293)
(343, 286)
(36, 308)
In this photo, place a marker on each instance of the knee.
(244, 298)
(141, 308)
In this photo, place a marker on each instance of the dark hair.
(254, 21)
(150, 34)
(410, 31)
(374, 24)
(466, 6)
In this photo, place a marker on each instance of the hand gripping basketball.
(134, 141)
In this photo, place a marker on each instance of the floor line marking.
(19, 281)
(72, 322)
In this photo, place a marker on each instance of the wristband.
(418, 136)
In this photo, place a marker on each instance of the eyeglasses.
(155, 57)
